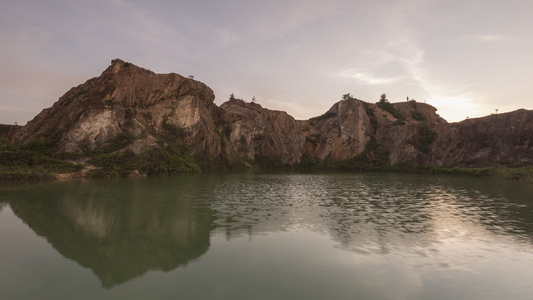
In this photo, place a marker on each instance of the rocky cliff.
(129, 101)
(141, 108)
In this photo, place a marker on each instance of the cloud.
(368, 78)
(490, 38)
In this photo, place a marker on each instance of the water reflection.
(120, 230)
(375, 213)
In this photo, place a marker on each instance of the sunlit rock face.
(127, 99)
(342, 132)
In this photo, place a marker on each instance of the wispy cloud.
(490, 38)
(368, 78)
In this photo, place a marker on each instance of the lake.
(268, 236)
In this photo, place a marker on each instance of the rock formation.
(128, 101)
(258, 132)
(132, 100)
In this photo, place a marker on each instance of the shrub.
(418, 116)
(173, 131)
(384, 104)
(118, 142)
(33, 160)
(327, 115)
(426, 138)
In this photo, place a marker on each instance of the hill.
(131, 121)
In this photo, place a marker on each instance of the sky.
(468, 58)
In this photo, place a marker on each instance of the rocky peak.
(342, 132)
(126, 99)
(416, 111)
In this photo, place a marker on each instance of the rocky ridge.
(138, 106)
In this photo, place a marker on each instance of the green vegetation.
(170, 158)
(326, 115)
(173, 132)
(524, 174)
(34, 160)
(267, 164)
(38, 159)
(372, 158)
(384, 104)
(120, 141)
(426, 138)
(347, 96)
(372, 116)
(418, 116)
(315, 139)
(376, 160)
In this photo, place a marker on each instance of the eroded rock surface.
(127, 100)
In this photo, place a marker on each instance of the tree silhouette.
(383, 98)
(347, 96)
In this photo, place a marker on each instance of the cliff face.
(256, 132)
(496, 140)
(142, 104)
(501, 140)
(132, 100)
(342, 132)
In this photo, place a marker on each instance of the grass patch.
(34, 160)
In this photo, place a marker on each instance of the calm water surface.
(333, 236)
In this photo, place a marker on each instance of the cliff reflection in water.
(120, 230)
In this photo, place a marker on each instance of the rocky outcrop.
(132, 100)
(257, 132)
(128, 101)
(342, 132)
(500, 140)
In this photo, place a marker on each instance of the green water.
(251, 236)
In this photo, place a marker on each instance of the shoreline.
(519, 174)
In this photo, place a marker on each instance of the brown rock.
(130, 102)
(129, 99)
